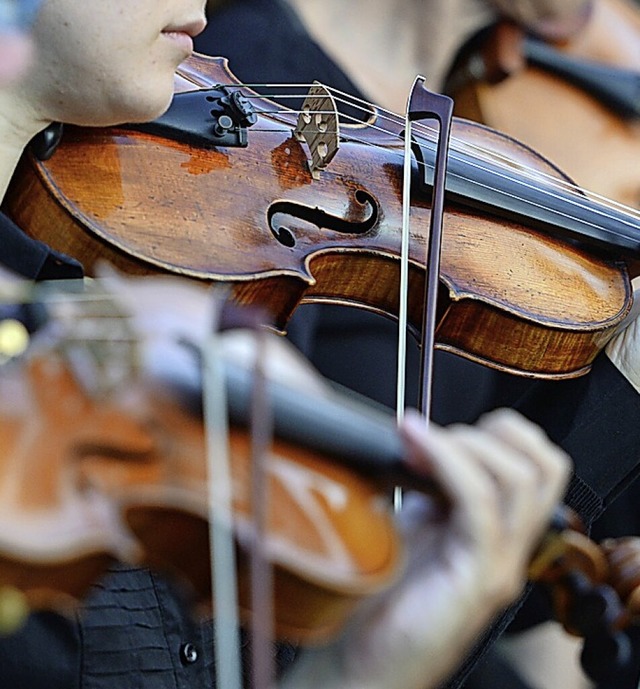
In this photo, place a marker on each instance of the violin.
(121, 444)
(574, 101)
(120, 456)
(232, 188)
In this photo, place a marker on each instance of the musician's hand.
(503, 478)
(168, 312)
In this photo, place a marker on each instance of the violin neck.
(613, 86)
(342, 426)
(559, 209)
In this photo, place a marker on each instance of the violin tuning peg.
(605, 655)
(623, 555)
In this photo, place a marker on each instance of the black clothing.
(33, 259)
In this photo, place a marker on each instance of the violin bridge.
(318, 126)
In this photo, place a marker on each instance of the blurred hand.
(503, 478)
(16, 17)
(167, 311)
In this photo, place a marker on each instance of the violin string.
(507, 163)
(383, 114)
(431, 134)
(502, 164)
(575, 197)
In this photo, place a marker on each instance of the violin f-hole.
(284, 234)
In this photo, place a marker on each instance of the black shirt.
(31, 258)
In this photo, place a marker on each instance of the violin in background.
(577, 102)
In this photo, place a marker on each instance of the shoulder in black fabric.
(33, 259)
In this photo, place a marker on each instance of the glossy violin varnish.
(514, 292)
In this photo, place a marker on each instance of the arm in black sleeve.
(596, 419)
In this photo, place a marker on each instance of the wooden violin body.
(127, 481)
(258, 219)
(123, 477)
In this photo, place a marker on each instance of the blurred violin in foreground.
(104, 458)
